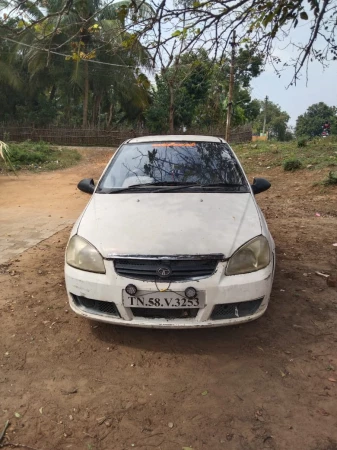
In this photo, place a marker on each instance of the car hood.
(169, 223)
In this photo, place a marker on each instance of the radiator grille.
(180, 269)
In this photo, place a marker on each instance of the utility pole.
(231, 88)
(265, 114)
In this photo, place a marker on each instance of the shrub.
(30, 153)
(288, 136)
(292, 164)
(331, 179)
(39, 155)
(302, 142)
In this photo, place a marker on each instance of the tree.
(19, 101)
(276, 120)
(201, 23)
(186, 84)
(157, 115)
(200, 89)
(59, 53)
(310, 123)
(261, 23)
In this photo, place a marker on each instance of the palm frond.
(9, 76)
(31, 10)
(142, 9)
(132, 8)
(5, 155)
(77, 75)
(4, 151)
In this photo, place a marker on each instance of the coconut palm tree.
(88, 32)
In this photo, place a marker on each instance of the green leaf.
(196, 4)
(267, 19)
(122, 13)
(17, 415)
(176, 33)
(304, 15)
(204, 393)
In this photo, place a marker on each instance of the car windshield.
(191, 164)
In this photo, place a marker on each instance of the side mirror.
(87, 185)
(260, 185)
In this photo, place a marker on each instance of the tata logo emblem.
(164, 271)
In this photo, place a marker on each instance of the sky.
(321, 85)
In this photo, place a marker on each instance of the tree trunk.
(93, 113)
(99, 114)
(95, 109)
(171, 111)
(52, 93)
(110, 115)
(85, 94)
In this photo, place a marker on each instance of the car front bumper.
(232, 293)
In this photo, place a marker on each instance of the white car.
(172, 237)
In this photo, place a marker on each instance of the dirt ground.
(34, 206)
(68, 383)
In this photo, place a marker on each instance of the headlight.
(82, 255)
(254, 255)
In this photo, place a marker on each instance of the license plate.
(168, 300)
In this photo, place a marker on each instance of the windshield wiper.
(146, 185)
(171, 186)
(200, 186)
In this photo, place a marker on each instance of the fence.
(98, 138)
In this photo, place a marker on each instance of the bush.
(292, 164)
(302, 142)
(331, 179)
(40, 155)
(288, 136)
(30, 153)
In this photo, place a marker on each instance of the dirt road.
(67, 383)
(35, 206)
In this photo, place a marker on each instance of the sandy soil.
(68, 383)
(34, 206)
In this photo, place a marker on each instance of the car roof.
(176, 137)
